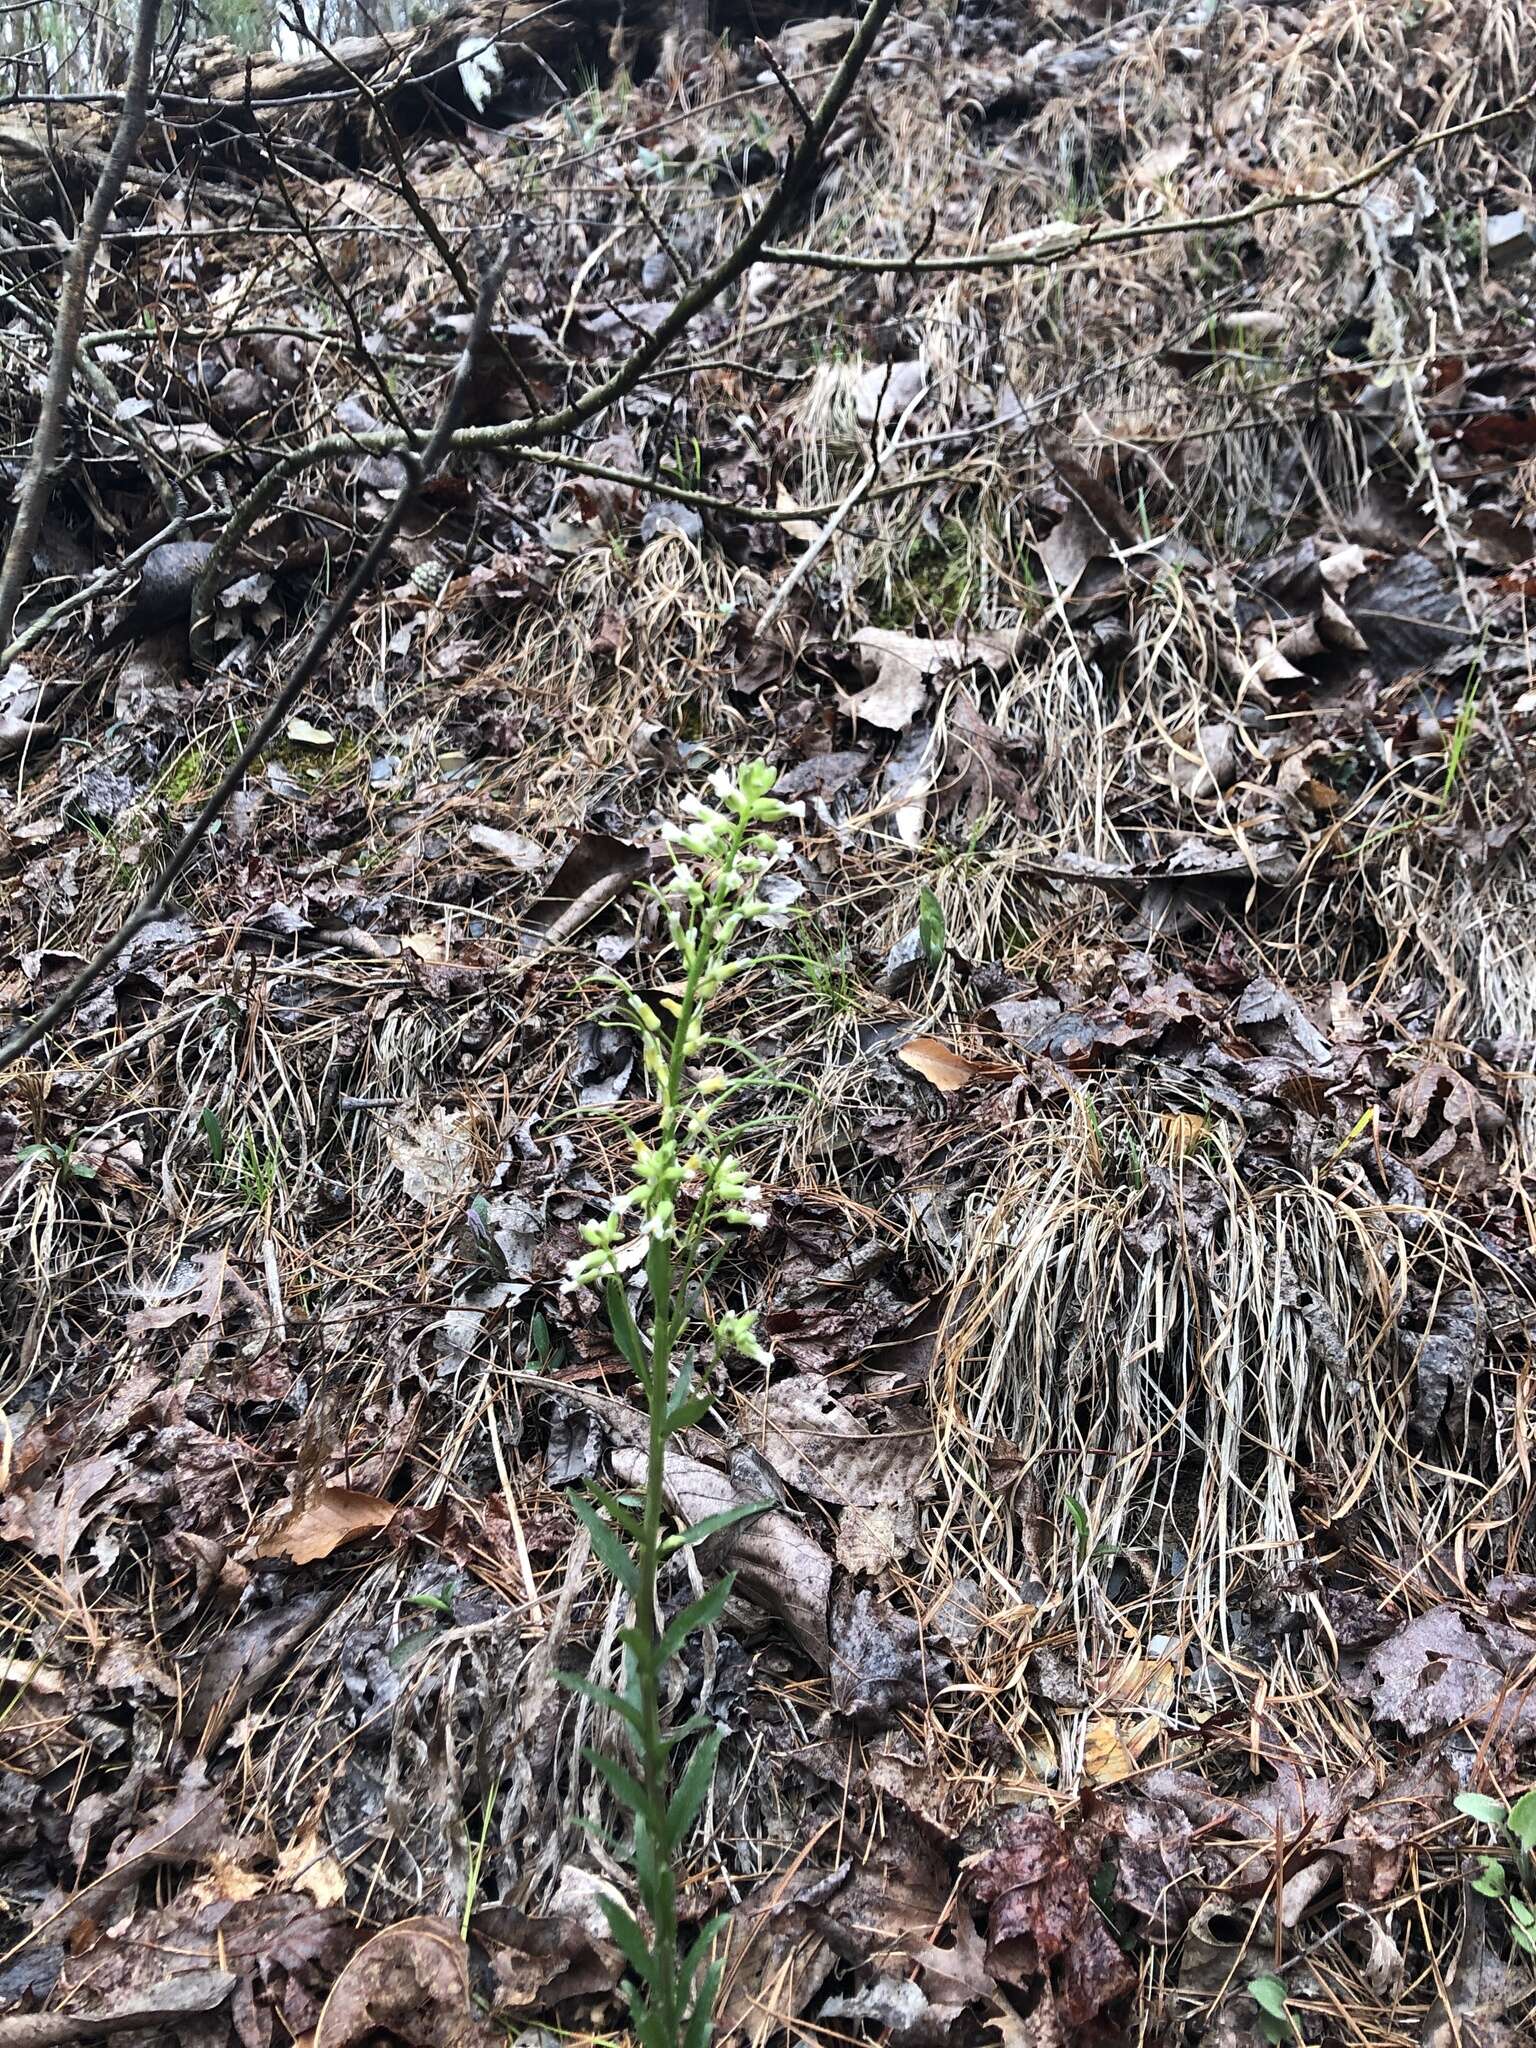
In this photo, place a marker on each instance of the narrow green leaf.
(626, 1332)
(628, 1937)
(600, 1696)
(651, 2027)
(401, 1653)
(1478, 1806)
(701, 2020)
(608, 1547)
(728, 1518)
(213, 1131)
(696, 1724)
(611, 1504)
(681, 1386)
(690, 1413)
(651, 1873)
(691, 1790)
(623, 1784)
(701, 1613)
(658, 1275)
(640, 1646)
(930, 926)
(1521, 1821)
(703, 1942)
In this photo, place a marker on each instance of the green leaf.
(1521, 1821)
(611, 1504)
(600, 1696)
(696, 1724)
(1079, 1514)
(701, 2020)
(401, 1653)
(623, 1784)
(628, 1937)
(930, 926)
(213, 1131)
(658, 1274)
(688, 1413)
(1268, 1994)
(680, 1386)
(1522, 1914)
(1490, 1879)
(700, 1532)
(692, 1788)
(1478, 1806)
(626, 1333)
(652, 1875)
(701, 1613)
(608, 1547)
(704, 1941)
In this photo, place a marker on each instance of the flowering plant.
(687, 1186)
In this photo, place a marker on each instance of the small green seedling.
(1275, 2022)
(930, 927)
(1517, 1892)
(66, 1163)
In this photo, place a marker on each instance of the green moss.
(932, 580)
(190, 775)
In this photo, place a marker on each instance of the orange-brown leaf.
(329, 1518)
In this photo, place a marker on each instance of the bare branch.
(420, 467)
(1077, 240)
(32, 497)
(543, 427)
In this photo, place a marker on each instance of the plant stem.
(665, 1319)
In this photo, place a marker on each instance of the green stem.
(666, 1319)
(653, 1753)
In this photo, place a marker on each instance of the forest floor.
(1143, 1646)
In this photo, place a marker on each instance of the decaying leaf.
(948, 1069)
(819, 1446)
(434, 1156)
(328, 1518)
(410, 1983)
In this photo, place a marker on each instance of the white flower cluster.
(719, 856)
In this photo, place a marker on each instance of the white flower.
(736, 1336)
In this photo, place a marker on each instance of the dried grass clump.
(1166, 1369)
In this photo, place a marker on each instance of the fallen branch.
(32, 497)
(1077, 240)
(543, 427)
(419, 468)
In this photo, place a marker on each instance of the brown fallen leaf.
(197, 1991)
(333, 1516)
(410, 1983)
(816, 1444)
(948, 1069)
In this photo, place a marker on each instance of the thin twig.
(104, 580)
(32, 498)
(798, 172)
(1077, 240)
(419, 468)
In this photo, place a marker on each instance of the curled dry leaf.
(816, 1444)
(328, 1519)
(410, 1984)
(947, 1069)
